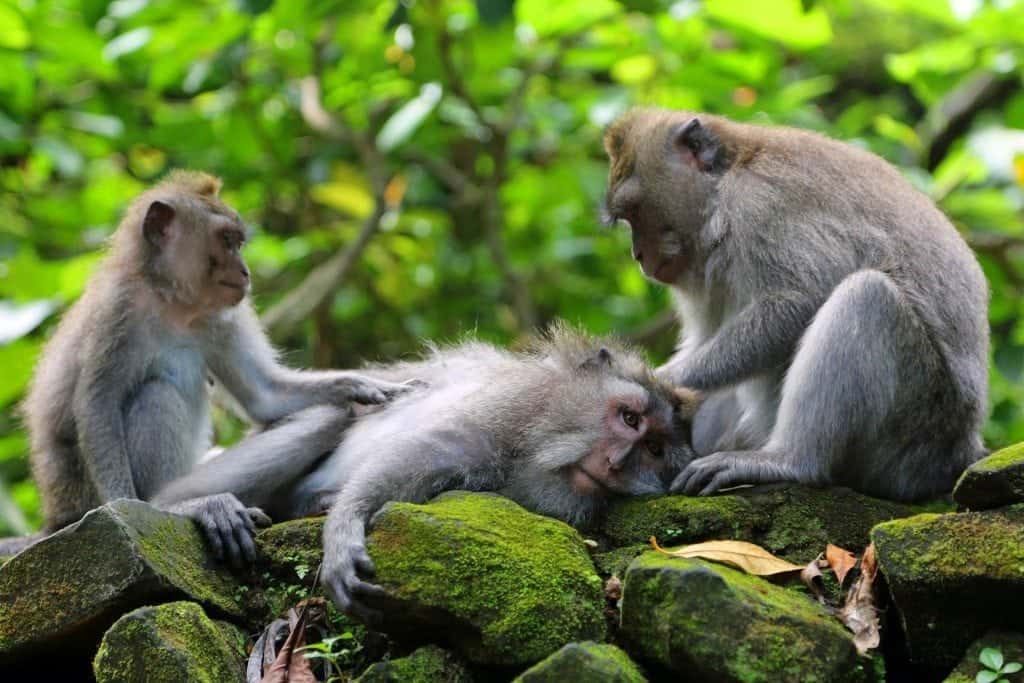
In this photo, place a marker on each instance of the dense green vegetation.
(427, 168)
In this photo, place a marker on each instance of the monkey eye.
(630, 419)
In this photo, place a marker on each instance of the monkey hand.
(348, 387)
(712, 473)
(345, 568)
(228, 525)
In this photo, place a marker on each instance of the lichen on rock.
(170, 643)
(505, 586)
(710, 622)
(994, 481)
(587, 661)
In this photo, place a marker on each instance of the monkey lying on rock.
(834, 316)
(560, 430)
(119, 404)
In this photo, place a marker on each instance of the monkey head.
(665, 168)
(189, 243)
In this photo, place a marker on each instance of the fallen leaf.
(291, 666)
(811, 577)
(859, 613)
(613, 588)
(841, 561)
(750, 558)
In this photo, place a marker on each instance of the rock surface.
(794, 522)
(64, 591)
(584, 662)
(170, 643)
(428, 664)
(952, 577)
(706, 622)
(992, 482)
(507, 586)
(1009, 645)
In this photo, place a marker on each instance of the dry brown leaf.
(841, 561)
(811, 577)
(613, 588)
(291, 666)
(750, 558)
(859, 613)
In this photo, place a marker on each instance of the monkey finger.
(365, 590)
(364, 565)
(244, 541)
(259, 517)
(213, 538)
(227, 537)
(721, 480)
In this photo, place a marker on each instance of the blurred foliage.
(424, 168)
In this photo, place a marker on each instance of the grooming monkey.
(832, 313)
(119, 404)
(560, 430)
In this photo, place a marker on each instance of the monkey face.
(661, 184)
(227, 275)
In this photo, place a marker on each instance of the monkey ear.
(599, 361)
(701, 146)
(686, 401)
(157, 223)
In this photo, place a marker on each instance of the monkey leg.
(842, 414)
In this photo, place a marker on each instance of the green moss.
(1006, 457)
(614, 562)
(682, 519)
(170, 643)
(712, 622)
(992, 482)
(517, 585)
(953, 577)
(586, 661)
(1011, 645)
(293, 549)
(428, 664)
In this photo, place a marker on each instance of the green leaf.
(13, 32)
(992, 658)
(635, 70)
(986, 676)
(404, 122)
(564, 17)
(17, 360)
(1012, 668)
(784, 21)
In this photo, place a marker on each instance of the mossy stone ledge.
(584, 662)
(1010, 646)
(952, 577)
(66, 590)
(707, 622)
(170, 643)
(992, 482)
(428, 664)
(504, 586)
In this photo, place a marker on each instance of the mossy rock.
(584, 662)
(428, 664)
(952, 577)
(708, 622)
(794, 522)
(62, 593)
(1010, 645)
(993, 482)
(503, 585)
(168, 644)
(291, 548)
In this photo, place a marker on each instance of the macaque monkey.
(832, 314)
(560, 430)
(119, 405)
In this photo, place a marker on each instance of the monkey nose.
(245, 272)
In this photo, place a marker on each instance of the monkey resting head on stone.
(833, 315)
(560, 430)
(119, 404)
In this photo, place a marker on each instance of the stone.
(63, 592)
(170, 643)
(584, 662)
(505, 586)
(992, 482)
(707, 622)
(952, 577)
(428, 664)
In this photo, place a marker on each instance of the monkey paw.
(228, 525)
(344, 572)
(353, 387)
(712, 473)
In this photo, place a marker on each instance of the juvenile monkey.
(560, 430)
(832, 312)
(119, 403)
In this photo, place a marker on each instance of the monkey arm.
(760, 337)
(242, 359)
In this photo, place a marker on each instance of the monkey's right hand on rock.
(353, 387)
(344, 569)
(228, 525)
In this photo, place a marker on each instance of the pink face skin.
(627, 425)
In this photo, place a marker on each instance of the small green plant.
(337, 654)
(995, 669)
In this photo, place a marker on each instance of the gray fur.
(119, 405)
(835, 316)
